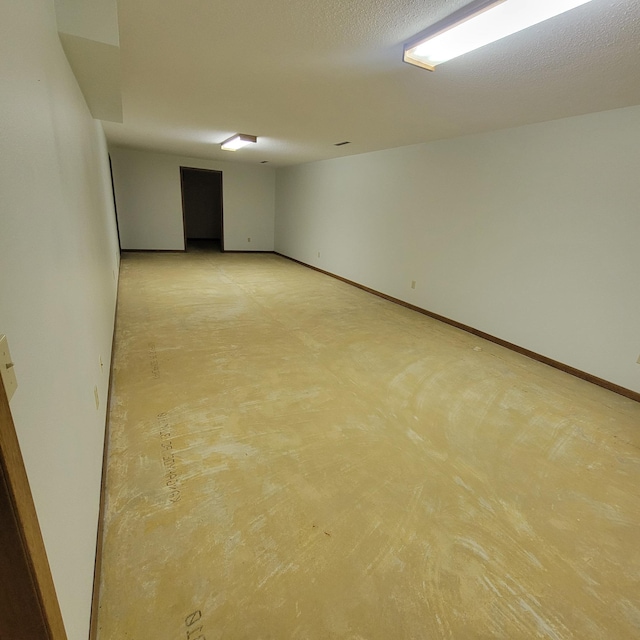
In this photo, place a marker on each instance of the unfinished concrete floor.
(291, 457)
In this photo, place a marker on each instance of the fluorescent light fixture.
(238, 141)
(478, 24)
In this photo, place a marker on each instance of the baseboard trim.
(184, 251)
(153, 250)
(97, 570)
(623, 391)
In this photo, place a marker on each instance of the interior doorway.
(202, 210)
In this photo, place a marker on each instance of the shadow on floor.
(203, 246)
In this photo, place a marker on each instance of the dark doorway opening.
(202, 212)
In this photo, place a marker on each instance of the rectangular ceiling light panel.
(478, 24)
(238, 141)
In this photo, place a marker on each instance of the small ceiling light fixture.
(238, 141)
(479, 23)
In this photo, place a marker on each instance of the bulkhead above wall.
(88, 31)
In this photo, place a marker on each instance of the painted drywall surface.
(149, 201)
(58, 270)
(148, 204)
(97, 68)
(96, 20)
(529, 234)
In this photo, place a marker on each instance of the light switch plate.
(7, 370)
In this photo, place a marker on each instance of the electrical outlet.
(413, 284)
(96, 396)
(318, 254)
(248, 239)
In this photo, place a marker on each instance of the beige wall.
(529, 234)
(58, 268)
(149, 201)
(93, 19)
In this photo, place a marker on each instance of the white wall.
(149, 203)
(92, 19)
(58, 268)
(529, 234)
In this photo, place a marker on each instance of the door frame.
(184, 214)
(29, 608)
(115, 205)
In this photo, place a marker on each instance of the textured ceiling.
(305, 74)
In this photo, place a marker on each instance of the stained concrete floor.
(291, 457)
